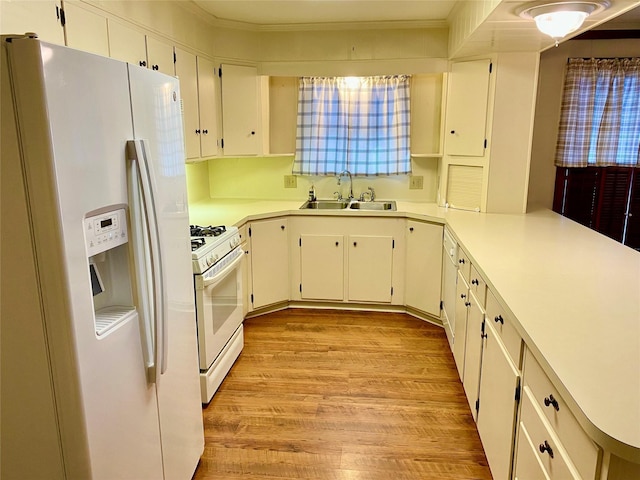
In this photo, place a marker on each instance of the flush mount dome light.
(558, 19)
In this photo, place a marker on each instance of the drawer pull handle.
(551, 401)
(545, 447)
(499, 319)
(463, 295)
(475, 282)
(467, 304)
(461, 261)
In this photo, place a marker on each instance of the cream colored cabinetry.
(133, 46)
(370, 268)
(497, 403)
(449, 283)
(243, 230)
(199, 107)
(42, 17)
(241, 112)
(423, 266)
(86, 29)
(347, 260)
(269, 256)
(561, 445)
(467, 106)
(322, 267)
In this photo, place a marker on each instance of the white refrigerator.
(99, 364)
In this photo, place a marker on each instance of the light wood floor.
(322, 394)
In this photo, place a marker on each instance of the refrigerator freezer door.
(155, 100)
(74, 118)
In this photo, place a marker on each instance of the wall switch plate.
(416, 182)
(290, 181)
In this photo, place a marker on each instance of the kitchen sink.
(389, 205)
(325, 204)
(374, 205)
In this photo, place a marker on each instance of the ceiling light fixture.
(558, 19)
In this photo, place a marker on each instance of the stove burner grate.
(196, 243)
(210, 231)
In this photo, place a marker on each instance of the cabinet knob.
(499, 319)
(475, 282)
(411, 229)
(467, 304)
(198, 132)
(462, 295)
(205, 131)
(355, 244)
(143, 63)
(337, 244)
(253, 133)
(282, 227)
(453, 132)
(155, 67)
(461, 261)
(545, 447)
(548, 401)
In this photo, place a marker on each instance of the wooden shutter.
(579, 190)
(613, 196)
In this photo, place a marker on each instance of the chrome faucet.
(350, 182)
(370, 192)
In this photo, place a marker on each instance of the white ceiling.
(502, 30)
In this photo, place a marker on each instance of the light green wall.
(263, 178)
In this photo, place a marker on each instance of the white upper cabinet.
(42, 17)
(241, 112)
(199, 105)
(133, 46)
(127, 44)
(467, 106)
(86, 30)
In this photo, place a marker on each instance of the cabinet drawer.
(528, 467)
(548, 449)
(478, 286)
(583, 451)
(464, 264)
(504, 325)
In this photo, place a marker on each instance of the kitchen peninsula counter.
(574, 295)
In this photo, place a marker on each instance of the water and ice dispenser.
(106, 240)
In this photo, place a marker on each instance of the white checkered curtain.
(360, 124)
(600, 116)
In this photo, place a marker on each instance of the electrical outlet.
(290, 181)
(416, 182)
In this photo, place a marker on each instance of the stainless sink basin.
(374, 205)
(389, 205)
(325, 204)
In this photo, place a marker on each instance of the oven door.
(218, 305)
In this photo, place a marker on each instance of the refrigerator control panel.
(105, 231)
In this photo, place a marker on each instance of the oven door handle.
(218, 277)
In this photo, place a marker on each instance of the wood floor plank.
(322, 394)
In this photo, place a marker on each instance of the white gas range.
(217, 260)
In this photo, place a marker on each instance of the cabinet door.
(370, 268)
(42, 17)
(473, 353)
(207, 107)
(86, 30)
(322, 267)
(240, 110)
(269, 262)
(127, 44)
(460, 329)
(423, 269)
(466, 113)
(186, 71)
(160, 56)
(497, 413)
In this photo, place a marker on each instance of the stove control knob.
(215, 258)
(208, 261)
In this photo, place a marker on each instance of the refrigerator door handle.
(145, 208)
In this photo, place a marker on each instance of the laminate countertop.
(574, 295)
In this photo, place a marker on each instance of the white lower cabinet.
(269, 256)
(318, 254)
(473, 352)
(460, 330)
(498, 402)
(423, 267)
(347, 260)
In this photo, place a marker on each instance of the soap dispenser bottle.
(312, 194)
